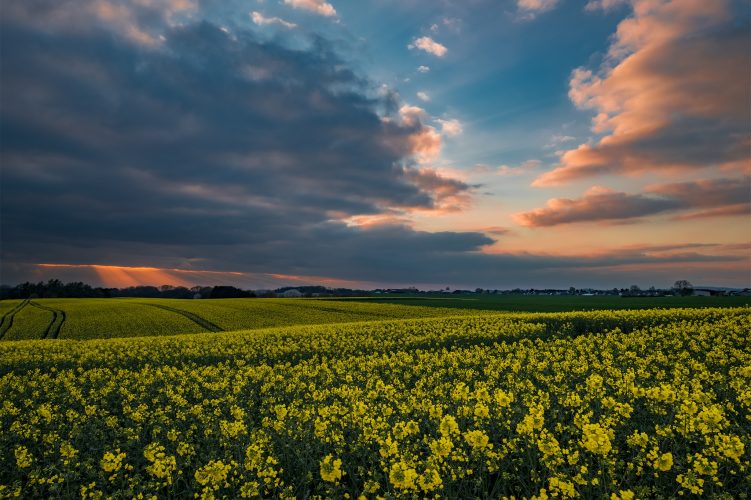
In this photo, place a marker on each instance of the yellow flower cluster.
(331, 469)
(605, 404)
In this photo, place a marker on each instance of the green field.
(127, 317)
(552, 303)
(108, 318)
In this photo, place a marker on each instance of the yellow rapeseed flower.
(402, 476)
(331, 469)
(596, 439)
(112, 462)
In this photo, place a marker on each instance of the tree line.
(55, 288)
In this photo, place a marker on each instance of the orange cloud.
(673, 93)
(529, 9)
(428, 45)
(424, 143)
(452, 127)
(316, 6)
(715, 197)
(597, 204)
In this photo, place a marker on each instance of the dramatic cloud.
(718, 197)
(172, 142)
(673, 93)
(317, 6)
(217, 149)
(262, 20)
(428, 45)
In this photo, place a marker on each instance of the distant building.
(291, 293)
(701, 292)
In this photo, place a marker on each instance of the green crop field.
(29, 323)
(596, 404)
(106, 318)
(552, 303)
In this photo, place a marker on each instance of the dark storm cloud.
(210, 138)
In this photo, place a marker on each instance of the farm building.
(291, 293)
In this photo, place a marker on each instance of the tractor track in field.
(58, 318)
(203, 323)
(7, 320)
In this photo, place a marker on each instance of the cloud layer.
(705, 198)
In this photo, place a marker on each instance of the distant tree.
(634, 289)
(228, 292)
(683, 287)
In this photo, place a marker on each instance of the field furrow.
(58, 318)
(30, 322)
(208, 325)
(7, 321)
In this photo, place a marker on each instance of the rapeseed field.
(601, 404)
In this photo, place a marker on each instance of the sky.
(430, 143)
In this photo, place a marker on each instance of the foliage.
(683, 287)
